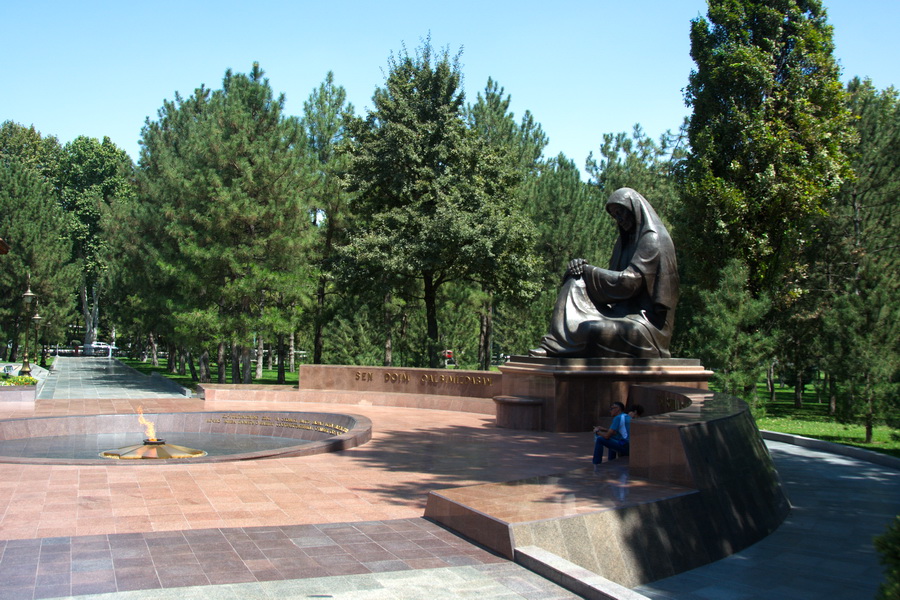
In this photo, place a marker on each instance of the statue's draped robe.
(628, 310)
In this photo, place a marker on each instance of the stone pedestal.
(574, 394)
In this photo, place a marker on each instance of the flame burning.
(149, 426)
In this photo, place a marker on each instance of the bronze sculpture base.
(574, 394)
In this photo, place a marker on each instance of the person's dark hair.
(638, 410)
(620, 405)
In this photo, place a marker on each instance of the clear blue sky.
(583, 68)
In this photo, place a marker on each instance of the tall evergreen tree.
(768, 135)
(35, 226)
(857, 265)
(638, 162)
(26, 145)
(224, 181)
(325, 117)
(434, 202)
(570, 222)
(520, 146)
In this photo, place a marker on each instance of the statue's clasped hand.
(576, 267)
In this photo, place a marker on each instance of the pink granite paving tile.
(358, 484)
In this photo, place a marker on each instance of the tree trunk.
(832, 395)
(485, 334)
(260, 354)
(154, 350)
(235, 363)
(293, 354)
(90, 311)
(319, 322)
(434, 359)
(798, 390)
(870, 409)
(204, 366)
(245, 364)
(182, 361)
(388, 332)
(172, 359)
(281, 357)
(270, 357)
(221, 364)
(190, 361)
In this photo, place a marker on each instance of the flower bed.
(18, 389)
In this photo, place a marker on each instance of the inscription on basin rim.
(283, 422)
(425, 378)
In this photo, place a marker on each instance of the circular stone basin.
(224, 436)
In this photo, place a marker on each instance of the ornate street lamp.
(27, 297)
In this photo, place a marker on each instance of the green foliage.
(434, 200)
(723, 333)
(888, 546)
(222, 180)
(18, 380)
(641, 164)
(768, 136)
(325, 117)
(36, 228)
(27, 146)
(856, 266)
(93, 176)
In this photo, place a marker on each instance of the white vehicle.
(102, 349)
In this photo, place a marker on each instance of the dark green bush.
(888, 545)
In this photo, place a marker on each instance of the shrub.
(18, 380)
(888, 545)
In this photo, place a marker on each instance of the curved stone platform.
(699, 486)
(314, 432)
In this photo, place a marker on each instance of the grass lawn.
(813, 421)
(269, 377)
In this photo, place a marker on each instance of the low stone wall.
(228, 392)
(18, 393)
(439, 389)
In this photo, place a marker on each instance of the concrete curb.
(877, 458)
(572, 577)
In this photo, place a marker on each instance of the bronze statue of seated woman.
(627, 310)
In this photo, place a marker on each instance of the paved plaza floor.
(349, 524)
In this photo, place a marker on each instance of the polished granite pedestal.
(698, 486)
(575, 394)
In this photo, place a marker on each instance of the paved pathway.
(823, 550)
(103, 378)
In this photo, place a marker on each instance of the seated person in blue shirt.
(615, 438)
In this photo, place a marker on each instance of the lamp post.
(36, 319)
(27, 297)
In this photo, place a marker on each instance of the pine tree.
(520, 146)
(325, 117)
(35, 226)
(857, 266)
(434, 202)
(225, 178)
